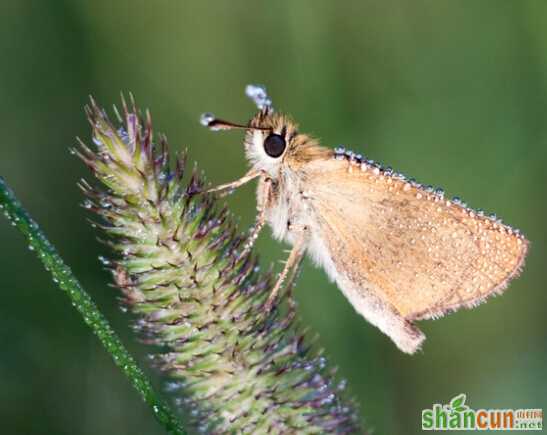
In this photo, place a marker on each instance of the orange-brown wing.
(424, 254)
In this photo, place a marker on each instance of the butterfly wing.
(422, 255)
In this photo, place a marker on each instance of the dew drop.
(206, 118)
(104, 260)
(258, 94)
(339, 153)
(327, 400)
(322, 362)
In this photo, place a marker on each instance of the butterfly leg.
(265, 187)
(228, 187)
(291, 279)
(291, 268)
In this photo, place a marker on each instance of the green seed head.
(230, 366)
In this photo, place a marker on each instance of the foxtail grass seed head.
(231, 366)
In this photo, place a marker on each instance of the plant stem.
(65, 279)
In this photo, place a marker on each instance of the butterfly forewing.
(421, 253)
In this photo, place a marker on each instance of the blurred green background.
(453, 93)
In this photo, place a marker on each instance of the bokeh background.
(453, 93)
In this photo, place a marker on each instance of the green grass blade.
(81, 300)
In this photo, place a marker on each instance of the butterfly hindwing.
(423, 254)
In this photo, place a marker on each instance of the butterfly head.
(272, 139)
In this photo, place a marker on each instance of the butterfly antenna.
(260, 97)
(215, 124)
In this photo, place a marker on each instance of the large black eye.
(274, 145)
